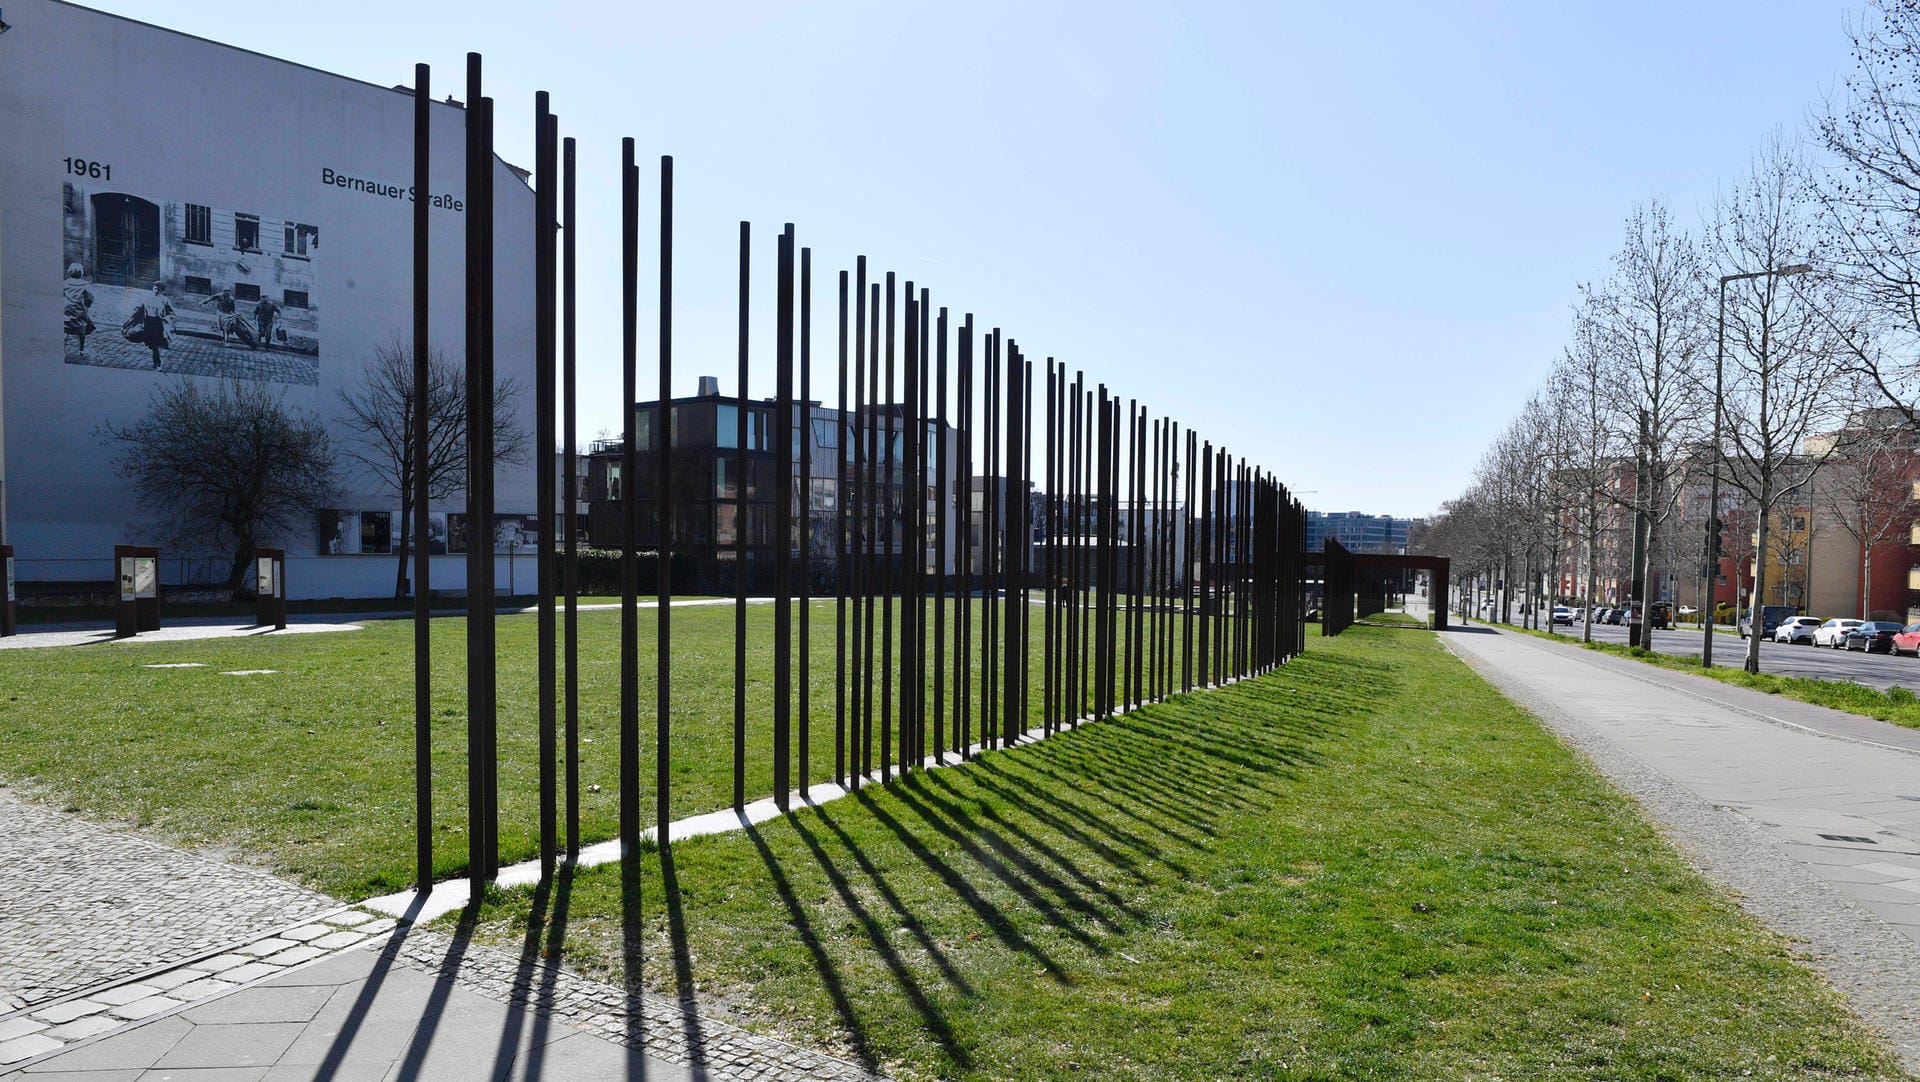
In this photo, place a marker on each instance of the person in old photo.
(264, 314)
(78, 301)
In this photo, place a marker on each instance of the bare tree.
(380, 410)
(1868, 202)
(1646, 321)
(226, 464)
(1783, 351)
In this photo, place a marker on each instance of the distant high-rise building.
(1358, 531)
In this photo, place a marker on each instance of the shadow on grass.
(682, 960)
(823, 963)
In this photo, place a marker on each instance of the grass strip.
(307, 765)
(1368, 864)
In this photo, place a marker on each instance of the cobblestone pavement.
(82, 904)
(355, 996)
(663, 1028)
(1811, 816)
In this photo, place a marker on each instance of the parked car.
(1609, 616)
(1873, 636)
(1907, 641)
(1834, 633)
(1562, 615)
(1800, 629)
(1770, 618)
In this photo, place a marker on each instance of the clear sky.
(1340, 238)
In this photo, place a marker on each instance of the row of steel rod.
(1157, 562)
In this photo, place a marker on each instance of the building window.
(339, 533)
(294, 298)
(199, 224)
(246, 232)
(245, 291)
(302, 239)
(376, 531)
(197, 285)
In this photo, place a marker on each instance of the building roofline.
(523, 174)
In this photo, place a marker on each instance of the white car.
(1834, 633)
(1799, 629)
(1562, 614)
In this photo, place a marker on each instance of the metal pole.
(783, 520)
(630, 505)
(545, 263)
(806, 515)
(842, 553)
(421, 492)
(1709, 599)
(742, 472)
(571, 499)
(663, 647)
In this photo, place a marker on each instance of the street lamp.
(1712, 563)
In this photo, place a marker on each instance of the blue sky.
(1341, 239)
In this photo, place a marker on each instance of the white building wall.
(100, 114)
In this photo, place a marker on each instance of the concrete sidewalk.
(1810, 815)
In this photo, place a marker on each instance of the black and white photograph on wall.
(188, 288)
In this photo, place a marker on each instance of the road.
(1730, 651)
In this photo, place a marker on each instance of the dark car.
(1609, 616)
(1908, 641)
(1874, 636)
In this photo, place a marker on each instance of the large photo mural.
(188, 288)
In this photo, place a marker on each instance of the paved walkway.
(1811, 815)
(123, 959)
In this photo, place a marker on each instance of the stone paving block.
(126, 993)
(338, 940)
(135, 1048)
(222, 1044)
(172, 978)
(70, 1010)
(20, 1027)
(252, 971)
(306, 932)
(201, 989)
(26, 1047)
(294, 955)
(381, 926)
(295, 1003)
(219, 962)
(144, 1008)
(263, 947)
(82, 1028)
(347, 918)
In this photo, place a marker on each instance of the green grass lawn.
(1368, 864)
(309, 769)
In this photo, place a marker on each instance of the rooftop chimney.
(709, 385)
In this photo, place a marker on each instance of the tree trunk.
(406, 544)
(1756, 605)
(237, 574)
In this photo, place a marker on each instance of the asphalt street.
(1820, 663)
